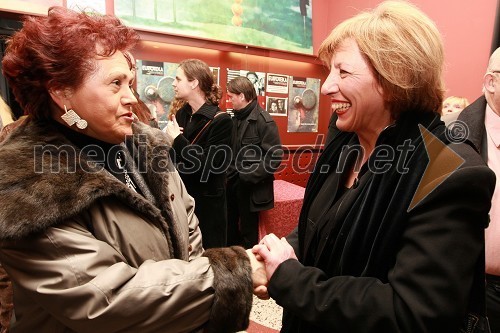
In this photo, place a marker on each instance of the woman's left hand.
(273, 251)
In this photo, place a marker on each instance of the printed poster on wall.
(303, 104)
(277, 83)
(154, 86)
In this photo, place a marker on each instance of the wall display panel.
(284, 25)
(154, 86)
(304, 104)
(29, 6)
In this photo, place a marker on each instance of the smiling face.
(105, 100)
(355, 94)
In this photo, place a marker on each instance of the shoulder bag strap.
(204, 127)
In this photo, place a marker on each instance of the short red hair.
(58, 51)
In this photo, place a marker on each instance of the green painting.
(279, 24)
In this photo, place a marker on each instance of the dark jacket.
(257, 154)
(86, 254)
(473, 116)
(401, 252)
(203, 166)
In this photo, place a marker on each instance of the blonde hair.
(462, 101)
(405, 50)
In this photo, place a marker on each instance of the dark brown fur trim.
(233, 290)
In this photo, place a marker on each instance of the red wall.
(466, 26)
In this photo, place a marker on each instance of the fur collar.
(38, 191)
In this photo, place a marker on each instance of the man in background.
(257, 153)
(483, 121)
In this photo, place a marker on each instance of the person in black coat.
(202, 133)
(481, 119)
(391, 233)
(257, 153)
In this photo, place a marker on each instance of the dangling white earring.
(70, 117)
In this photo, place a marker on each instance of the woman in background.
(391, 232)
(201, 134)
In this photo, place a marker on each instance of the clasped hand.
(265, 257)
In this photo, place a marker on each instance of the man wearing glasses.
(482, 120)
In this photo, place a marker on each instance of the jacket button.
(190, 248)
(172, 197)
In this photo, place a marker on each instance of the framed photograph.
(277, 106)
(285, 25)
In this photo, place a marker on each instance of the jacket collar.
(473, 117)
(206, 110)
(47, 179)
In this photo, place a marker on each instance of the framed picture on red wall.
(285, 25)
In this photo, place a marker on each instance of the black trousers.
(211, 213)
(242, 224)
(493, 302)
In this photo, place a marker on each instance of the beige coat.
(86, 254)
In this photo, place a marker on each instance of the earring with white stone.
(70, 117)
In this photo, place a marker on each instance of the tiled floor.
(265, 316)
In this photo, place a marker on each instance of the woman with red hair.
(97, 232)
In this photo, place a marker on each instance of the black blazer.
(385, 264)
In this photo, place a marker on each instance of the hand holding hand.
(258, 276)
(273, 251)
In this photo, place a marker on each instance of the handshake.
(265, 258)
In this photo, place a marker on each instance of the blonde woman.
(387, 240)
